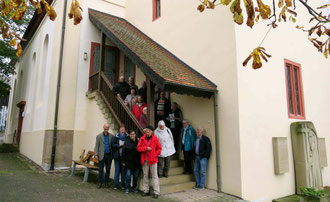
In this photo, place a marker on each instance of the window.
(295, 97)
(155, 9)
(111, 62)
(129, 69)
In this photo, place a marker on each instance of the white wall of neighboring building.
(263, 110)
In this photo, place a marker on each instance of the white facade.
(252, 104)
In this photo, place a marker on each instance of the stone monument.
(306, 155)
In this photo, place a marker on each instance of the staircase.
(116, 113)
(114, 127)
(176, 181)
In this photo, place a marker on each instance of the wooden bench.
(84, 161)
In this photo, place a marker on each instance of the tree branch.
(315, 14)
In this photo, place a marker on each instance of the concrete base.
(64, 149)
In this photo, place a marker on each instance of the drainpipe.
(217, 144)
(59, 75)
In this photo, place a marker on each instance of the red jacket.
(137, 111)
(152, 155)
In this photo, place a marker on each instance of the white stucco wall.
(206, 42)
(263, 104)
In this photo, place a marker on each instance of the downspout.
(217, 144)
(59, 75)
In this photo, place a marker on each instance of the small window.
(156, 9)
(294, 90)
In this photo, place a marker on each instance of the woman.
(131, 160)
(130, 98)
(138, 108)
(166, 141)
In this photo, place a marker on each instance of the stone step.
(176, 179)
(176, 171)
(176, 187)
(175, 157)
(176, 163)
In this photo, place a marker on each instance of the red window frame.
(154, 9)
(294, 66)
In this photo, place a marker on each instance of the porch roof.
(162, 67)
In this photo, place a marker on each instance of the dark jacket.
(130, 156)
(116, 146)
(205, 147)
(167, 107)
(134, 87)
(143, 93)
(122, 88)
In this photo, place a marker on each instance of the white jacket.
(165, 138)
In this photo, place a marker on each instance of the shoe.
(115, 188)
(127, 190)
(122, 187)
(201, 188)
(146, 194)
(165, 175)
(160, 176)
(196, 187)
(107, 185)
(185, 173)
(99, 185)
(156, 195)
(135, 190)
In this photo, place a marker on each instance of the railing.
(94, 81)
(116, 105)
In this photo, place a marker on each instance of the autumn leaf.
(324, 6)
(50, 10)
(264, 10)
(280, 3)
(211, 5)
(235, 8)
(250, 12)
(201, 8)
(288, 3)
(71, 13)
(256, 54)
(225, 2)
(19, 51)
(12, 42)
(77, 13)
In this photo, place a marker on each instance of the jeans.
(107, 161)
(200, 171)
(129, 173)
(119, 169)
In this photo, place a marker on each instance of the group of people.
(152, 152)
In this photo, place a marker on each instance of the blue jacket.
(116, 146)
(190, 138)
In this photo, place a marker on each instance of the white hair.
(161, 123)
(200, 127)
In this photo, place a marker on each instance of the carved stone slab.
(306, 155)
(281, 156)
(323, 153)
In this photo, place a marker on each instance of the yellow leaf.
(264, 10)
(247, 60)
(50, 10)
(326, 53)
(280, 3)
(324, 6)
(211, 5)
(225, 2)
(77, 13)
(250, 12)
(288, 3)
(71, 13)
(19, 51)
(12, 42)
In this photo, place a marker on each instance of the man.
(162, 107)
(102, 152)
(187, 141)
(175, 123)
(150, 149)
(132, 84)
(202, 151)
(143, 91)
(117, 144)
(121, 88)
